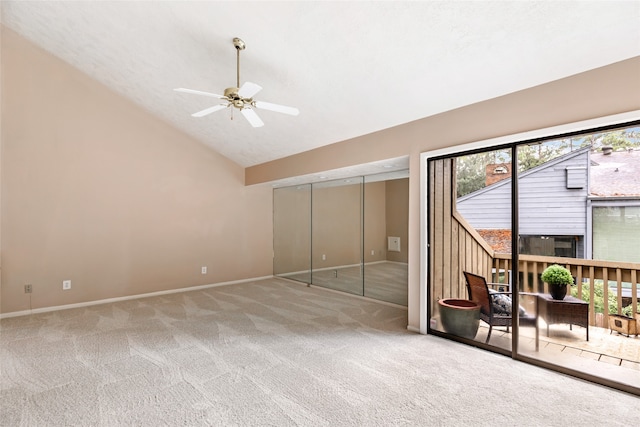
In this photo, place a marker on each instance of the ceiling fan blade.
(210, 110)
(249, 89)
(252, 117)
(278, 108)
(199, 92)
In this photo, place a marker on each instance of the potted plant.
(558, 279)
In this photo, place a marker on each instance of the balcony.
(608, 353)
(455, 247)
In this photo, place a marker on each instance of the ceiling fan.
(241, 97)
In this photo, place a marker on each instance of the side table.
(571, 310)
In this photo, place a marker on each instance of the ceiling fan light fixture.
(241, 97)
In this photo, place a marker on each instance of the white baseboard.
(129, 297)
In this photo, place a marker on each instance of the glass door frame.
(512, 142)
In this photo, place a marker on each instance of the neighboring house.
(552, 200)
(583, 204)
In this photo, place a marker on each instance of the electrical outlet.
(66, 285)
(27, 289)
(373, 252)
(324, 257)
(204, 270)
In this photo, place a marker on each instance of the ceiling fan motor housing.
(231, 93)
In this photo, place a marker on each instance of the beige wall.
(97, 191)
(601, 92)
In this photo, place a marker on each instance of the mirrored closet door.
(349, 235)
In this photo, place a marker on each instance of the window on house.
(616, 233)
(563, 246)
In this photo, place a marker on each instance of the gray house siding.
(546, 205)
(489, 208)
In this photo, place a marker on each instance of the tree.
(470, 170)
(530, 156)
(621, 139)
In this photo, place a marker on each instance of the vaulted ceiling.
(351, 68)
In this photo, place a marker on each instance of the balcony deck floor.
(608, 355)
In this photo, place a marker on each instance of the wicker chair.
(479, 293)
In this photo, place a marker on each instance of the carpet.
(272, 353)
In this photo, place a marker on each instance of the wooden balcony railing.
(615, 276)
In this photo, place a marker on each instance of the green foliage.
(620, 139)
(557, 275)
(470, 175)
(470, 170)
(598, 298)
(627, 311)
(530, 156)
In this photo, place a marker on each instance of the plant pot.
(558, 292)
(459, 317)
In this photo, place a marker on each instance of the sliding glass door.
(503, 219)
(470, 247)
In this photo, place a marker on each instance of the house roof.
(616, 174)
(499, 240)
(352, 68)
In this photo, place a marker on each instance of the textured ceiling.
(351, 68)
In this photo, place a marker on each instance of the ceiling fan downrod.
(239, 44)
